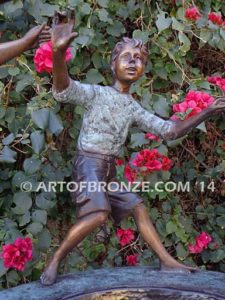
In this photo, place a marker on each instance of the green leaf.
(141, 35)
(55, 126)
(103, 3)
(39, 216)
(38, 141)
(93, 76)
(161, 107)
(43, 202)
(85, 9)
(14, 71)
(162, 22)
(44, 240)
(23, 202)
(3, 270)
(104, 16)
(202, 127)
(185, 41)
(171, 227)
(40, 117)
(177, 25)
(116, 29)
(8, 140)
(138, 139)
(7, 155)
(34, 228)
(25, 219)
(182, 253)
(31, 165)
(221, 221)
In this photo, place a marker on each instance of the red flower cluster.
(192, 14)
(125, 236)
(152, 160)
(194, 101)
(132, 259)
(201, 242)
(15, 255)
(130, 174)
(217, 80)
(216, 19)
(151, 136)
(43, 58)
(119, 162)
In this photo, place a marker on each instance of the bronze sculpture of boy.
(109, 112)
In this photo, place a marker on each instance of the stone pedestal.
(124, 283)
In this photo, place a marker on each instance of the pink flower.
(43, 58)
(125, 236)
(132, 259)
(217, 80)
(119, 162)
(192, 14)
(130, 174)
(151, 136)
(166, 163)
(16, 255)
(194, 101)
(215, 18)
(201, 242)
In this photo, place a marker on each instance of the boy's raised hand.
(38, 34)
(62, 30)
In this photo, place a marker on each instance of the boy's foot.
(176, 267)
(49, 275)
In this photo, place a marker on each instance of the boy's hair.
(135, 43)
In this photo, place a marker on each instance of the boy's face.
(129, 65)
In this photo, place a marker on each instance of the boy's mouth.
(131, 70)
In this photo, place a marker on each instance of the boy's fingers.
(72, 17)
(42, 26)
(55, 20)
(73, 36)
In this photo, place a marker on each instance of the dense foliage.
(38, 135)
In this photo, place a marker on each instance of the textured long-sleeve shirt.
(108, 116)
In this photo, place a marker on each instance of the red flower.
(166, 163)
(119, 162)
(43, 58)
(217, 80)
(201, 242)
(130, 174)
(152, 160)
(192, 14)
(151, 136)
(125, 236)
(132, 259)
(16, 255)
(194, 102)
(215, 18)
(223, 146)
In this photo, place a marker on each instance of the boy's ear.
(112, 66)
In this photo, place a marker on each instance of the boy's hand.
(37, 34)
(62, 30)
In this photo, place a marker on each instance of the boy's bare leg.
(151, 237)
(75, 235)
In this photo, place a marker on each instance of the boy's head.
(128, 61)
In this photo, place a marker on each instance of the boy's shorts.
(91, 195)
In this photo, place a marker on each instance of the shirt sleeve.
(76, 93)
(148, 122)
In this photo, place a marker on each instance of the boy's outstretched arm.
(62, 36)
(183, 127)
(12, 49)
(172, 130)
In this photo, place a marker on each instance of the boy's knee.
(102, 216)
